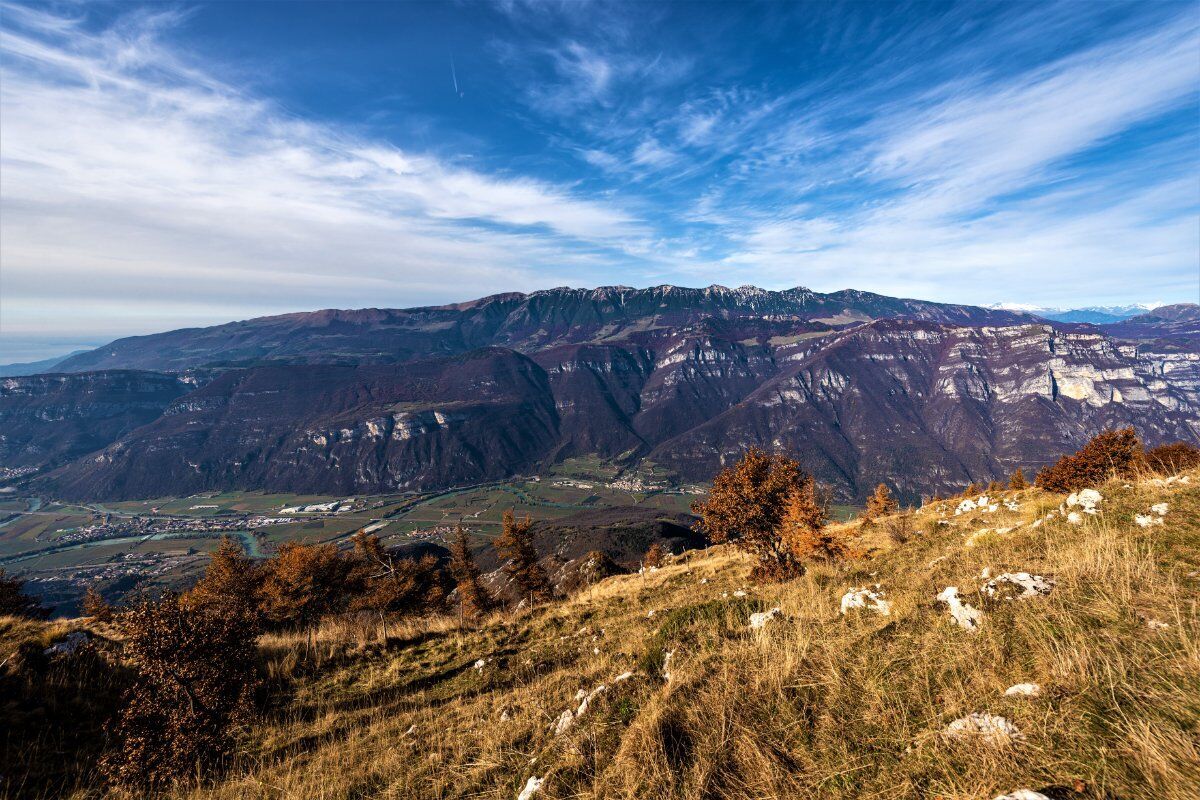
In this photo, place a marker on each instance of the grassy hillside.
(815, 704)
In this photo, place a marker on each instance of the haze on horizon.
(163, 166)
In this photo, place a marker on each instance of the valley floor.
(671, 694)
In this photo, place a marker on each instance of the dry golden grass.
(817, 705)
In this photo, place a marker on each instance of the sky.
(171, 165)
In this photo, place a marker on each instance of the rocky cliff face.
(923, 406)
(892, 401)
(46, 420)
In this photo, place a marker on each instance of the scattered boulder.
(964, 616)
(759, 621)
(69, 646)
(532, 787)
(982, 727)
(871, 599)
(1085, 500)
(1023, 794)
(1017, 586)
(1023, 690)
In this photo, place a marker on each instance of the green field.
(38, 537)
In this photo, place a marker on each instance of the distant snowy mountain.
(1096, 315)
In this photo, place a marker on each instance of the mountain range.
(863, 388)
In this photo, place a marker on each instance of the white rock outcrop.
(761, 619)
(964, 616)
(1023, 690)
(870, 599)
(1008, 584)
(533, 786)
(982, 727)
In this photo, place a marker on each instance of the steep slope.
(922, 406)
(46, 420)
(1087, 688)
(929, 408)
(467, 419)
(518, 321)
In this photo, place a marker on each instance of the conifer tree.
(515, 545)
(476, 600)
(1016, 481)
(804, 531)
(880, 504)
(231, 584)
(95, 606)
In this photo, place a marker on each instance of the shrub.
(746, 506)
(880, 504)
(1016, 481)
(95, 606)
(1170, 459)
(193, 687)
(654, 556)
(1108, 454)
(515, 545)
(303, 583)
(383, 584)
(804, 532)
(15, 603)
(232, 583)
(473, 596)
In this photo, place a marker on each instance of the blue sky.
(169, 165)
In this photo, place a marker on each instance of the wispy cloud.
(134, 178)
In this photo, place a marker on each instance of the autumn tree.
(1113, 453)
(95, 606)
(1171, 459)
(232, 582)
(994, 487)
(880, 504)
(15, 603)
(192, 688)
(515, 545)
(746, 506)
(654, 556)
(386, 584)
(305, 582)
(1016, 481)
(473, 596)
(804, 531)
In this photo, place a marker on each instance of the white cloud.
(132, 181)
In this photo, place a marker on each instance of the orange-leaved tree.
(473, 597)
(746, 506)
(804, 530)
(305, 582)
(515, 546)
(386, 584)
(1016, 481)
(880, 504)
(231, 584)
(1113, 453)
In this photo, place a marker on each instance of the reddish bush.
(804, 532)
(1170, 459)
(193, 686)
(746, 506)
(303, 583)
(1109, 454)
